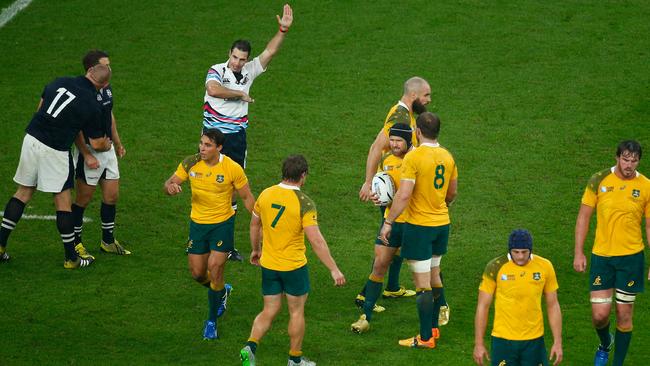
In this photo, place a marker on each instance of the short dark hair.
(215, 135)
(92, 58)
(293, 167)
(241, 44)
(631, 146)
(429, 125)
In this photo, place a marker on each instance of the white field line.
(9, 12)
(43, 217)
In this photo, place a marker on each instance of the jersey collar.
(430, 144)
(404, 105)
(287, 186)
(613, 169)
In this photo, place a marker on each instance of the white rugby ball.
(384, 187)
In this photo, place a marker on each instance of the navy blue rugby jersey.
(69, 106)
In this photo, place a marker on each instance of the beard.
(418, 107)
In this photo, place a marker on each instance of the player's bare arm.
(555, 322)
(400, 202)
(452, 192)
(582, 227)
(101, 144)
(374, 156)
(319, 245)
(117, 141)
(274, 44)
(647, 235)
(247, 196)
(89, 158)
(480, 325)
(256, 239)
(172, 186)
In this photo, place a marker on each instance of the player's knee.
(199, 277)
(110, 196)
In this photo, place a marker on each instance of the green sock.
(622, 342)
(424, 300)
(214, 300)
(437, 302)
(393, 273)
(373, 289)
(443, 301)
(603, 334)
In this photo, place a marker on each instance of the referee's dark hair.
(241, 44)
(215, 135)
(92, 58)
(293, 168)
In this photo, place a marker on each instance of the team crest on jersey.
(537, 276)
(99, 97)
(109, 93)
(636, 193)
(220, 178)
(597, 281)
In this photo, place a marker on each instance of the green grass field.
(534, 96)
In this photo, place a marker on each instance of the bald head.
(415, 85)
(99, 75)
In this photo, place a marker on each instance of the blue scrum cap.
(520, 239)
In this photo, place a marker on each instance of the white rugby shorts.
(40, 166)
(108, 168)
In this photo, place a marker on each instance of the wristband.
(386, 222)
(283, 31)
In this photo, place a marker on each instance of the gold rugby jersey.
(392, 165)
(620, 208)
(212, 187)
(518, 295)
(431, 167)
(284, 211)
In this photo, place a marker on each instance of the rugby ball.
(384, 187)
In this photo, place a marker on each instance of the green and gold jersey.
(400, 113)
(284, 211)
(392, 165)
(431, 167)
(212, 187)
(620, 208)
(518, 295)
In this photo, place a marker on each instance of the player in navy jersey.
(68, 105)
(227, 88)
(95, 167)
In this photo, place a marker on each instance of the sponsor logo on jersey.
(109, 93)
(630, 284)
(636, 193)
(220, 178)
(606, 189)
(537, 276)
(502, 363)
(507, 277)
(522, 274)
(597, 281)
(99, 97)
(196, 175)
(220, 243)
